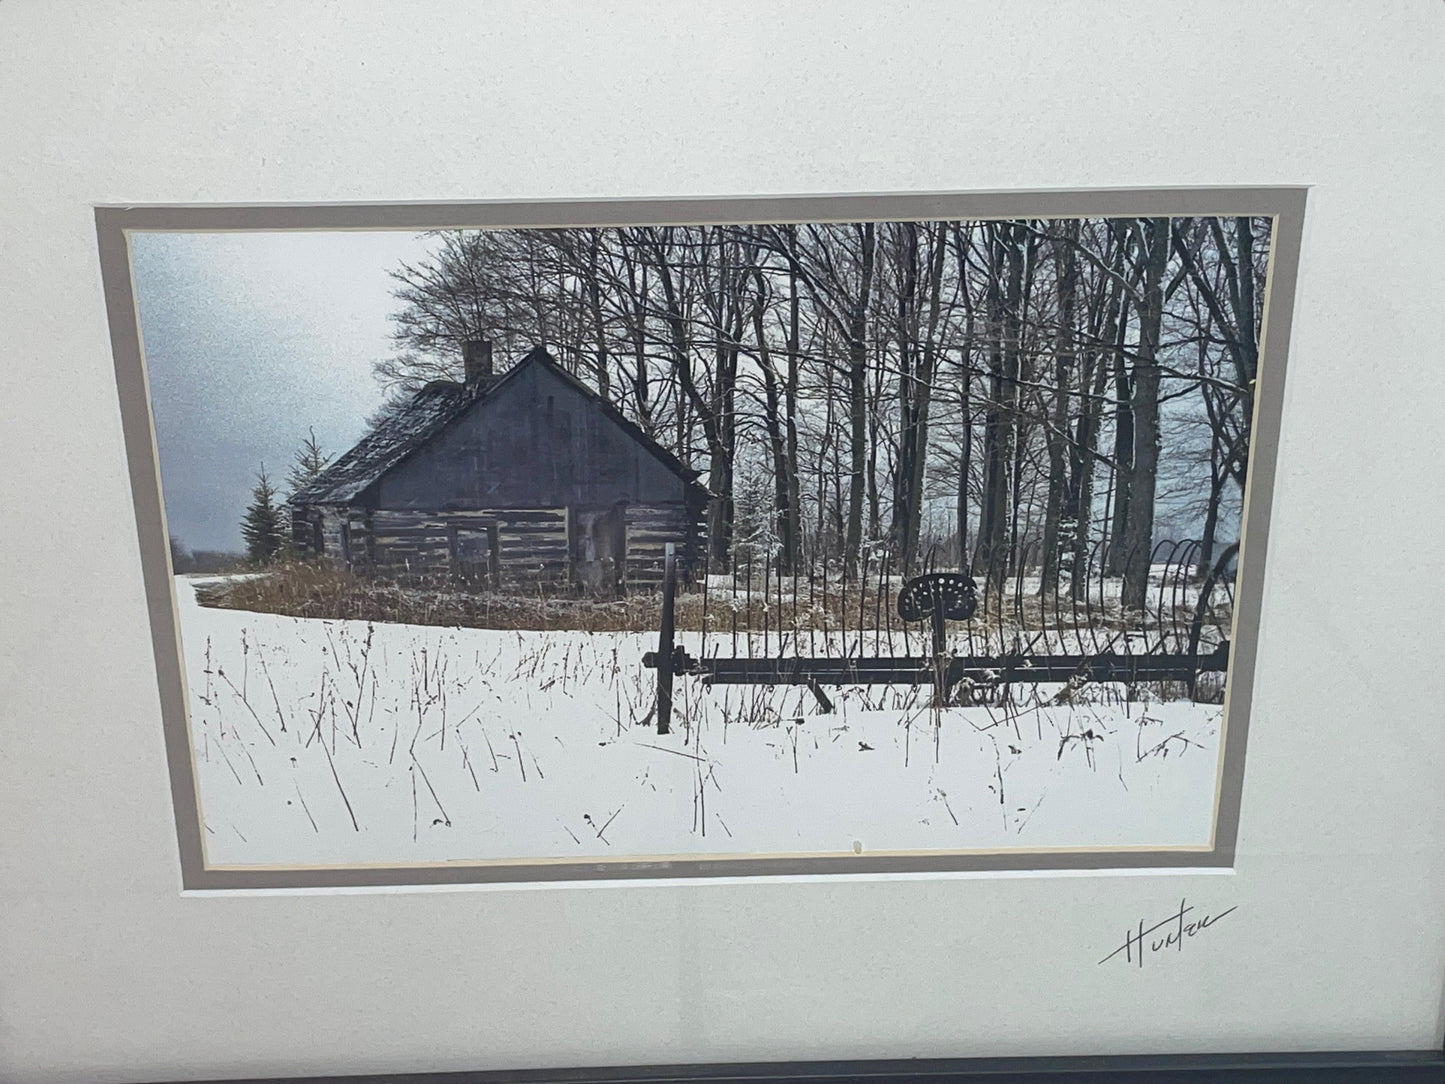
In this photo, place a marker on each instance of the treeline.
(184, 559)
(988, 390)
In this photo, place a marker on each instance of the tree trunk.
(636, 288)
(1123, 449)
(790, 401)
(1019, 288)
(784, 515)
(594, 298)
(726, 304)
(858, 397)
(990, 556)
(923, 400)
(961, 244)
(875, 401)
(965, 456)
(905, 321)
(1061, 523)
(1079, 501)
(1217, 478)
(1139, 529)
(918, 361)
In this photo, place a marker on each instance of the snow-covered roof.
(410, 426)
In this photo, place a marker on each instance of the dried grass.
(805, 615)
(323, 590)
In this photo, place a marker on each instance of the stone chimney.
(477, 360)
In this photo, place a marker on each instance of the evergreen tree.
(308, 463)
(261, 525)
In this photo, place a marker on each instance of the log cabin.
(511, 480)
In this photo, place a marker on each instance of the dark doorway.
(474, 554)
(599, 550)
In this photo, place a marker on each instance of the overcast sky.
(251, 338)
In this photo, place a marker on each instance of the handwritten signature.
(1188, 921)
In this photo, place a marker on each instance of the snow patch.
(339, 743)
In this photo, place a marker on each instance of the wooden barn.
(515, 479)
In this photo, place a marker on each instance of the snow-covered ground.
(339, 743)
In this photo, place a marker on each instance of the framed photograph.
(715, 542)
(728, 538)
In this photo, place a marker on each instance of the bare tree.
(1023, 389)
(1138, 539)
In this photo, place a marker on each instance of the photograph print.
(738, 547)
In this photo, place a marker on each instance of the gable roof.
(429, 411)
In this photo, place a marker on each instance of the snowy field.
(339, 743)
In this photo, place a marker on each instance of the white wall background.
(108, 973)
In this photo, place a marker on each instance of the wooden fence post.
(665, 641)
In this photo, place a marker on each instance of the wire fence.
(830, 610)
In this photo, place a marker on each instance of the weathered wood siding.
(302, 533)
(531, 543)
(649, 529)
(537, 442)
(320, 522)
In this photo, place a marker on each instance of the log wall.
(649, 529)
(533, 546)
(329, 518)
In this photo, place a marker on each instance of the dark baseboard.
(1390, 1067)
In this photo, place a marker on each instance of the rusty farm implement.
(830, 627)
